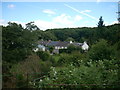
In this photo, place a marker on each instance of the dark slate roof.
(77, 44)
(43, 42)
(52, 43)
(63, 44)
(59, 43)
(41, 46)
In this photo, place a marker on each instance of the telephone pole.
(118, 12)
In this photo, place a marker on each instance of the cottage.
(60, 45)
(41, 47)
(85, 47)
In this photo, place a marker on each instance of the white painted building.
(41, 47)
(85, 46)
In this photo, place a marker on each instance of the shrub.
(30, 69)
(43, 55)
(94, 75)
(100, 51)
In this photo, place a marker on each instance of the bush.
(75, 58)
(30, 69)
(45, 56)
(100, 51)
(94, 75)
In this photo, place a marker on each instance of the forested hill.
(91, 35)
(16, 38)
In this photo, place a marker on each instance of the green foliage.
(45, 56)
(97, 68)
(100, 23)
(94, 75)
(74, 58)
(51, 48)
(26, 71)
(17, 44)
(69, 39)
(31, 26)
(100, 51)
(117, 50)
(71, 48)
(20, 81)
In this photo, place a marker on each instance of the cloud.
(110, 23)
(43, 25)
(11, 6)
(114, 22)
(76, 10)
(18, 22)
(86, 11)
(78, 18)
(48, 11)
(98, 0)
(3, 22)
(61, 21)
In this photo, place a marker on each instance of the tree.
(100, 51)
(45, 56)
(100, 23)
(17, 42)
(31, 26)
(69, 39)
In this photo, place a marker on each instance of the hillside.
(24, 68)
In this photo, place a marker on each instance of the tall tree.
(17, 42)
(31, 26)
(100, 23)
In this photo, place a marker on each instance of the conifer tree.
(100, 23)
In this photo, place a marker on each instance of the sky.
(49, 15)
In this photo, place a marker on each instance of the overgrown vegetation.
(72, 68)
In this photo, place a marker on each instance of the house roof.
(59, 43)
(43, 42)
(41, 46)
(77, 44)
(53, 43)
(63, 44)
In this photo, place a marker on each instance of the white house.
(41, 47)
(85, 46)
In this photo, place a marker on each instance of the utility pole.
(118, 12)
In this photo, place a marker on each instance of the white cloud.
(86, 11)
(114, 22)
(98, 0)
(43, 25)
(3, 22)
(22, 23)
(48, 11)
(11, 6)
(78, 18)
(63, 19)
(110, 23)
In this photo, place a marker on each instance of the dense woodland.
(96, 68)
